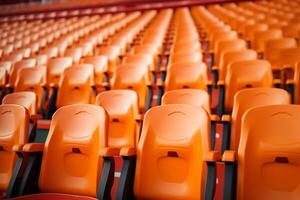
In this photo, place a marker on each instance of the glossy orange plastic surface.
(249, 98)
(170, 153)
(246, 74)
(14, 121)
(194, 97)
(186, 75)
(71, 163)
(25, 99)
(122, 107)
(76, 86)
(268, 155)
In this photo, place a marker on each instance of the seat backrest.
(31, 79)
(186, 75)
(251, 29)
(132, 77)
(14, 122)
(228, 45)
(75, 86)
(25, 99)
(55, 68)
(261, 37)
(174, 138)
(270, 137)
(249, 98)
(71, 152)
(74, 53)
(17, 67)
(246, 74)
(3, 74)
(289, 57)
(274, 47)
(221, 36)
(232, 56)
(194, 97)
(122, 108)
(184, 57)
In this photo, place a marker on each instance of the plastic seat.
(3, 75)
(270, 133)
(174, 138)
(74, 53)
(291, 30)
(14, 122)
(289, 57)
(100, 64)
(186, 75)
(261, 37)
(55, 68)
(34, 80)
(71, 154)
(185, 57)
(194, 97)
(228, 45)
(112, 53)
(136, 78)
(75, 86)
(240, 75)
(7, 65)
(17, 67)
(273, 49)
(25, 99)
(146, 59)
(122, 108)
(221, 36)
(243, 101)
(232, 56)
(251, 29)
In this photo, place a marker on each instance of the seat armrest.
(221, 83)
(226, 118)
(214, 118)
(109, 152)
(33, 147)
(212, 156)
(127, 151)
(290, 82)
(138, 117)
(160, 83)
(277, 83)
(18, 147)
(229, 156)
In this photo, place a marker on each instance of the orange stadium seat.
(263, 137)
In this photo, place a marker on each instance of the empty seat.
(25, 99)
(14, 122)
(261, 37)
(185, 57)
(273, 49)
(186, 75)
(122, 108)
(194, 97)
(175, 139)
(74, 53)
(136, 78)
(270, 136)
(76, 137)
(240, 75)
(75, 87)
(232, 56)
(55, 68)
(112, 53)
(226, 46)
(34, 80)
(100, 64)
(17, 67)
(243, 101)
